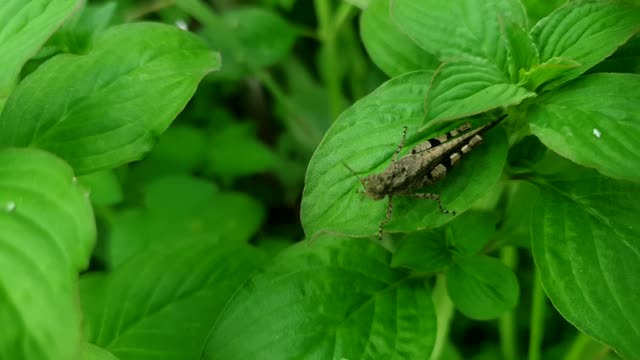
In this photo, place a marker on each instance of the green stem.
(507, 322)
(327, 31)
(444, 314)
(577, 348)
(537, 317)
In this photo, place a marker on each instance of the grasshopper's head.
(375, 186)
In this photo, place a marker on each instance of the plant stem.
(507, 322)
(444, 314)
(330, 70)
(538, 303)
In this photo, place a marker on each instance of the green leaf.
(25, 26)
(163, 302)
(482, 287)
(248, 38)
(178, 208)
(364, 138)
(78, 32)
(234, 151)
(586, 31)
(423, 251)
(98, 353)
(181, 148)
(625, 60)
(585, 240)
(106, 108)
(542, 74)
(468, 242)
(335, 298)
(466, 29)
(104, 188)
(389, 48)
(522, 53)
(593, 121)
(467, 87)
(47, 236)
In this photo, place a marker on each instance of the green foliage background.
(175, 184)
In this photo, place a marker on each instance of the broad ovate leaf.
(482, 287)
(24, 27)
(467, 87)
(47, 236)
(459, 29)
(586, 31)
(107, 107)
(594, 121)
(586, 245)
(389, 48)
(162, 303)
(364, 139)
(334, 298)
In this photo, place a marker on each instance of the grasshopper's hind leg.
(434, 197)
(387, 217)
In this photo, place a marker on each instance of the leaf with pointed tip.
(544, 73)
(332, 299)
(593, 121)
(47, 236)
(364, 138)
(586, 31)
(463, 88)
(586, 245)
(24, 27)
(107, 107)
(522, 53)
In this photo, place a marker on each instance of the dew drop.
(10, 207)
(597, 133)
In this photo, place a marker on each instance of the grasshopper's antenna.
(354, 174)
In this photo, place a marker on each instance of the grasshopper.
(427, 163)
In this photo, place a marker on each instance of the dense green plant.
(185, 254)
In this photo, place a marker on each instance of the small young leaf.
(423, 251)
(364, 138)
(164, 301)
(47, 234)
(466, 29)
(585, 244)
(540, 75)
(106, 108)
(24, 27)
(463, 88)
(586, 31)
(594, 122)
(482, 287)
(393, 51)
(335, 298)
(522, 53)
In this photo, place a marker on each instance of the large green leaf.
(594, 121)
(98, 353)
(106, 108)
(47, 236)
(586, 244)
(423, 251)
(364, 138)
(467, 87)
(393, 51)
(459, 29)
(24, 27)
(162, 303)
(482, 287)
(335, 298)
(586, 31)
